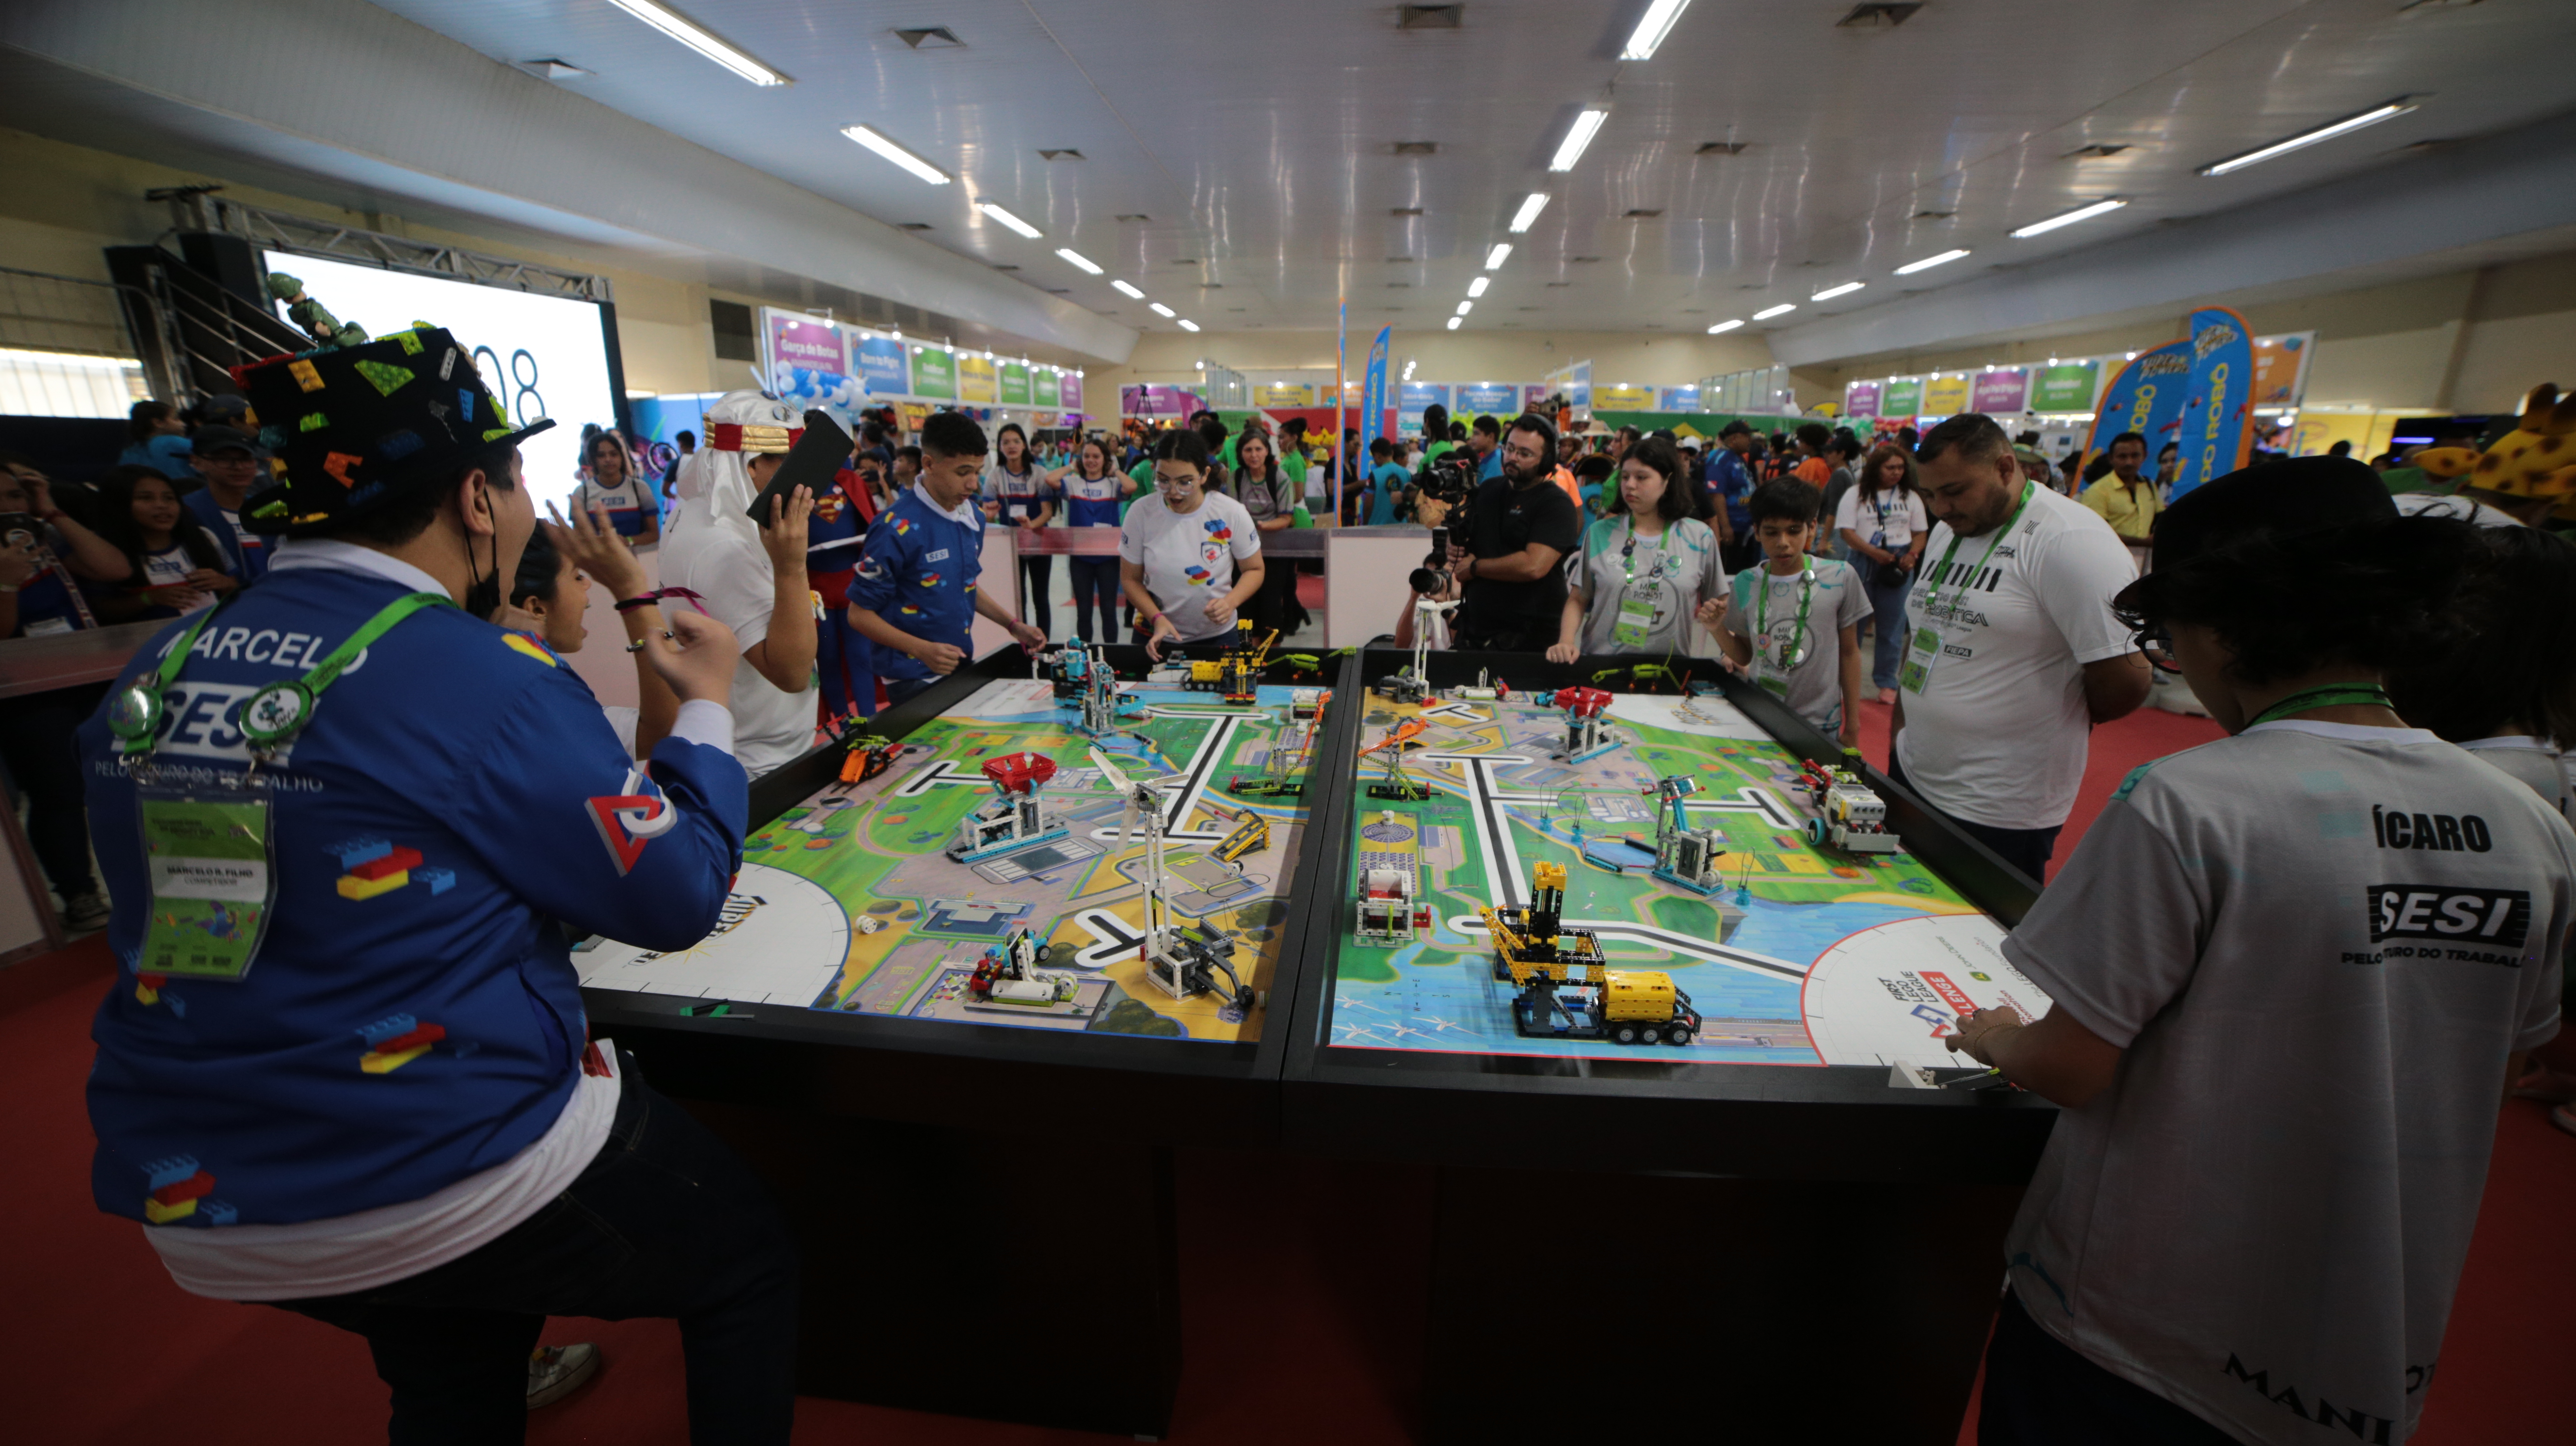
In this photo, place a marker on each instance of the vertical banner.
(2281, 368)
(2145, 397)
(1015, 384)
(1860, 399)
(1341, 389)
(2215, 432)
(2066, 387)
(881, 366)
(934, 373)
(1373, 387)
(1044, 390)
(1068, 387)
(977, 384)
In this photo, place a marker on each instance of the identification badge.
(1920, 655)
(1772, 683)
(1636, 622)
(212, 884)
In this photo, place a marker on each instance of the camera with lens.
(1442, 494)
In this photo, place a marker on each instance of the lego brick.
(194, 1187)
(426, 1034)
(439, 880)
(383, 1063)
(170, 1171)
(398, 861)
(359, 850)
(388, 1027)
(160, 1214)
(353, 887)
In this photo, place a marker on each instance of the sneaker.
(555, 1372)
(85, 913)
(2547, 1085)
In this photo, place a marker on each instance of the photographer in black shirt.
(1517, 531)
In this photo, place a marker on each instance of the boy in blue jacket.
(346, 822)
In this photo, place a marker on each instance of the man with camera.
(1516, 530)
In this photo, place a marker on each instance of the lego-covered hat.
(353, 426)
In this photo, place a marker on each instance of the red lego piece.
(1582, 702)
(1019, 772)
(426, 1034)
(392, 863)
(195, 1187)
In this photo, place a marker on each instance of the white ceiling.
(1258, 138)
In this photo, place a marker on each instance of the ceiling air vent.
(1211, 286)
(1582, 260)
(1554, 284)
(553, 69)
(912, 225)
(1430, 17)
(1720, 148)
(1417, 148)
(1879, 16)
(930, 37)
(1934, 215)
(1185, 261)
(1399, 285)
(1062, 155)
(1404, 210)
(2093, 153)
(1135, 216)
(1059, 291)
(1643, 215)
(1006, 268)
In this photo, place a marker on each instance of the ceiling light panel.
(1466, 306)
(1587, 122)
(1161, 310)
(1928, 262)
(1531, 205)
(1783, 309)
(1725, 326)
(1477, 286)
(1501, 253)
(1189, 326)
(1007, 219)
(1453, 322)
(1830, 292)
(1078, 259)
(1123, 289)
(2371, 117)
(2069, 218)
(1651, 29)
(689, 33)
(870, 138)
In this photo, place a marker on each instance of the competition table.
(985, 1205)
(1743, 1238)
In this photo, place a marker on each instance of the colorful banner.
(2005, 390)
(1945, 395)
(1043, 391)
(1015, 384)
(1535, 395)
(805, 342)
(1497, 399)
(934, 373)
(2215, 434)
(1414, 397)
(1860, 399)
(977, 385)
(1155, 401)
(881, 366)
(1578, 390)
(1904, 399)
(2281, 368)
(2145, 397)
(1622, 397)
(2066, 387)
(1068, 391)
(1677, 399)
(1283, 394)
(1373, 387)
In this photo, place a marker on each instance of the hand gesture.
(784, 536)
(1026, 636)
(940, 658)
(695, 655)
(597, 550)
(40, 492)
(1218, 611)
(1563, 652)
(1710, 613)
(1164, 632)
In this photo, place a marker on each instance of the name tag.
(940, 556)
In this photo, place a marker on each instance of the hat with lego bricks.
(353, 427)
(212, 439)
(2282, 499)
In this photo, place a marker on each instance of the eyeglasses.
(2157, 644)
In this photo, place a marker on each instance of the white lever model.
(1179, 963)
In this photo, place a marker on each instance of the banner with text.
(1414, 398)
(2215, 432)
(977, 385)
(2001, 391)
(1495, 399)
(934, 373)
(881, 366)
(1945, 395)
(2066, 387)
(2281, 368)
(1284, 395)
(1373, 387)
(1904, 399)
(1677, 399)
(1860, 399)
(808, 366)
(1014, 385)
(2145, 397)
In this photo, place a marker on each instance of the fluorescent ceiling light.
(1502, 251)
(67, 359)
(1725, 326)
(1078, 259)
(2346, 126)
(1586, 122)
(687, 33)
(1928, 262)
(2080, 213)
(897, 154)
(1830, 292)
(1453, 322)
(1531, 205)
(1123, 289)
(1160, 309)
(1189, 326)
(1477, 286)
(1783, 309)
(1007, 219)
(1466, 306)
(1652, 30)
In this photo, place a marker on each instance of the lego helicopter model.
(1179, 962)
(1013, 818)
(1587, 733)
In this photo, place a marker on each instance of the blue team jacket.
(413, 1017)
(918, 573)
(248, 562)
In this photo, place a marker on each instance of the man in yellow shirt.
(2126, 499)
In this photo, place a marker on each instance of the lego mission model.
(1849, 815)
(1533, 950)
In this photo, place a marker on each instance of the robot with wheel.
(1013, 818)
(1534, 950)
(1009, 974)
(1684, 855)
(1179, 962)
(1849, 815)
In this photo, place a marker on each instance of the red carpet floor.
(1312, 1336)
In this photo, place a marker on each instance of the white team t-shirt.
(2535, 763)
(1997, 735)
(721, 560)
(170, 568)
(2316, 944)
(2463, 509)
(1892, 519)
(626, 503)
(1189, 558)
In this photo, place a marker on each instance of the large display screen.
(543, 356)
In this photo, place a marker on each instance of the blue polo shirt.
(1734, 487)
(918, 573)
(245, 555)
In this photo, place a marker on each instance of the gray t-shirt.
(2532, 761)
(2316, 943)
(1671, 574)
(1765, 611)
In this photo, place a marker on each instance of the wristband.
(632, 603)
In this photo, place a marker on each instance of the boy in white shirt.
(1794, 622)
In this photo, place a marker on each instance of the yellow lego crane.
(1534, 950)
(1243, 666)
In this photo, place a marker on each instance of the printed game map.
(1806, 955)
(790, 932)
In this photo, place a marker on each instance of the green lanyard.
(1796, 648)
(272, 716)
(1628, 555)
(2332, 696)
(1932, 601)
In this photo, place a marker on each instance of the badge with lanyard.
(1636, 620)
(209, 851)
(1773, 662)
(1924, 649)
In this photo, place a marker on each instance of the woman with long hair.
(178, 568)
(1882, 522)
(157, 437)
(1188, 556)
(1092, 493)
(1018, 490)
(1647, 570)
(610, 483)
(1270, 498)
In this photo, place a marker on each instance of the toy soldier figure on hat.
(348, 826)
